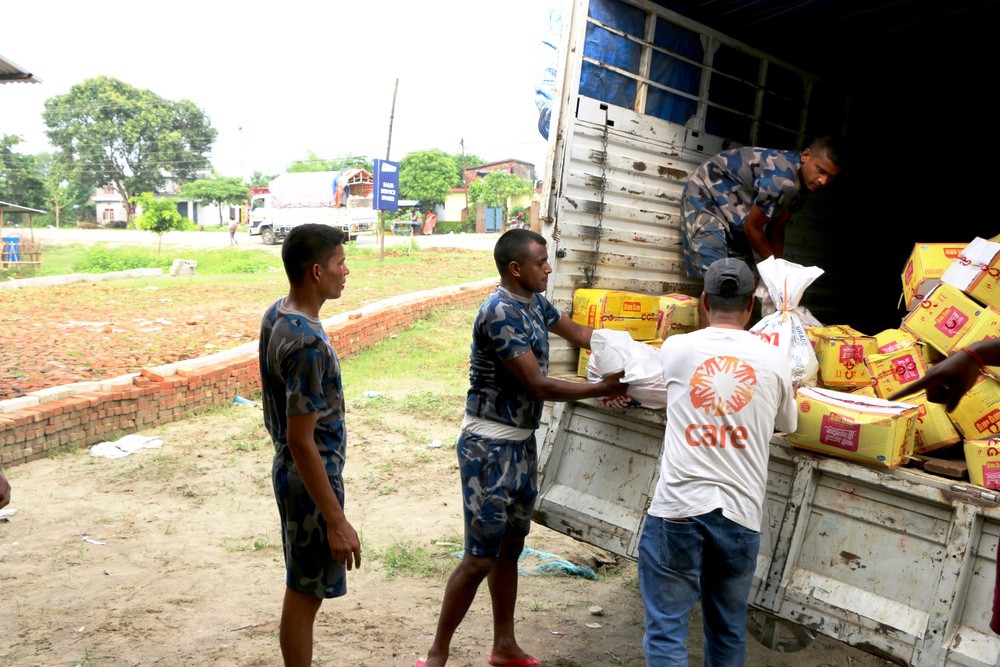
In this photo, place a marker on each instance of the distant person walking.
(234, 224)
(430, 220)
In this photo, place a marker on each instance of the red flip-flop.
(419, 663)
(530, 661)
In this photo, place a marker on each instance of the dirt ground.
(171, 556)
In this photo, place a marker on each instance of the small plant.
(405, 559)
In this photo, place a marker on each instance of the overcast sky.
(279, 79)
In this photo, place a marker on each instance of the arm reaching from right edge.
(947, 381)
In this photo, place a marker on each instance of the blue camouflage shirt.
(730, 183)
(506, 327)
(299, 374)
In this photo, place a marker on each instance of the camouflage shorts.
(499, 488)
(309, 567)
(707, 238)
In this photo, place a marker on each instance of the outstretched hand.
(613, 385)
(946, 382)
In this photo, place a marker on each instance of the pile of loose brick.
(85, 413)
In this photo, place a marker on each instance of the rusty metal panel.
(599, 470)
(898, 563)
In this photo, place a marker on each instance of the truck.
(898, 562)
(341, 199)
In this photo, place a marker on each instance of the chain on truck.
(898, 562)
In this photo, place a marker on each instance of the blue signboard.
(386, 196)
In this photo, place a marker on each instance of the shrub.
(102, 259)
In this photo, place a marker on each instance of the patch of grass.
(403, 558)
(257, 544)
(158, 467)
(540, 605)
(251, 440)
(428, 364)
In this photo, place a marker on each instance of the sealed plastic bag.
(615, 351)
(784, 283)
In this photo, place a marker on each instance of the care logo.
(722, 386)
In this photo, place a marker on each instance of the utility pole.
(388, 145)
(465, 184)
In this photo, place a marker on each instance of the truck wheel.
(776, 633)
(354, 237)
(267, 236)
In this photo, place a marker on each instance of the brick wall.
(86, 413)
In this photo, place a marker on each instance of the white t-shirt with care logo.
(727, 392)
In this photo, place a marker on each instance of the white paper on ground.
(125, 446)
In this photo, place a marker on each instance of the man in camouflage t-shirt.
(304, 413)
(738, 202)
(497, 455)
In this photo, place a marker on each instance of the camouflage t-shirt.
(506, 327)
(299, 374)
(730, 183)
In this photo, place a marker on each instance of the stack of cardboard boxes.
(646, 318)
(952, 294)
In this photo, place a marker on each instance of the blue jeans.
(706, 556)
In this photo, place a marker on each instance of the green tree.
(316, 163)
(21, 178)
(63, 196)
(259, 179)
(464, 162)
(218, 191)
(496, 189)
(427, 176)
(129, 138)
(158, 216)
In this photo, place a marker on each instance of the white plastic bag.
(615, 351)
(784, 283)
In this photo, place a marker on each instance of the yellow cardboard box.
(841, 352)
(943, 317)
(867, 390)
(986, 326)
(976, 271)
(618, 310)
(934, 428)
(678, 313)
(983, 459)
(978, 413)
(894, 370)
(854, 427)
(924, 268)
(891, 340)
(581, 365)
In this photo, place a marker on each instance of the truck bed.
(900, 563)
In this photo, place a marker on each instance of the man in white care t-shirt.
(727, 392)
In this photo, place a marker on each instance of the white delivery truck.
(899, 563)
(341, 199)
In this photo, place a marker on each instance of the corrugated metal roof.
(7, 207)
(12, 73)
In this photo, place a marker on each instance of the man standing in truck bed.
(738, 202)
(727, 390)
